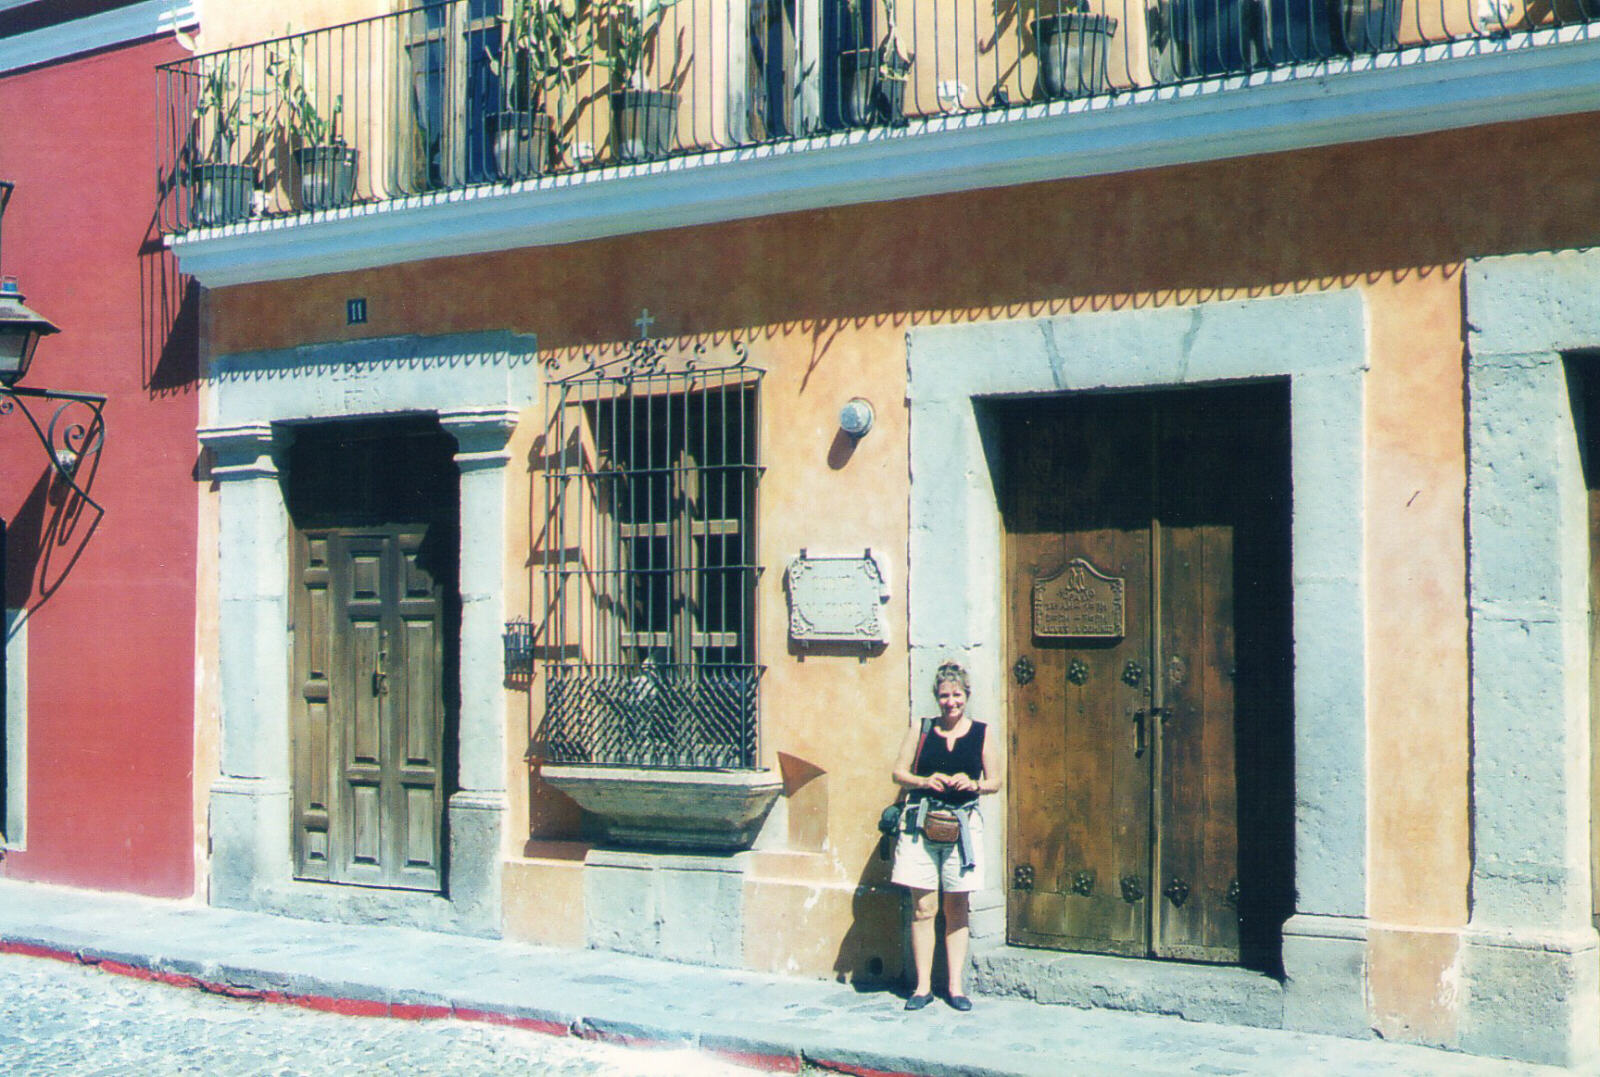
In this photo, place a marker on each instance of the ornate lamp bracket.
(75, 431)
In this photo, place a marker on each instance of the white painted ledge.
(1413, 92)
(118, 26)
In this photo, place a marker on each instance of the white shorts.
(924, 865)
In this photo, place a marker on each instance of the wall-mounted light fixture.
(855, 418)
(69, 436)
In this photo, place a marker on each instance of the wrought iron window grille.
(649, 564)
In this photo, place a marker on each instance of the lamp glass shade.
(20, 330)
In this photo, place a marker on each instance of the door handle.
(380, 678)
(1138, 734)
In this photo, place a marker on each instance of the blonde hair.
(951, 673)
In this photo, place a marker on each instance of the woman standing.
(946, 762)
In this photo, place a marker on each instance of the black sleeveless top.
(965, 757)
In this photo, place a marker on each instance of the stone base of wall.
(1532, 998)
(1194, 992)
(679, 906)
(251, 866)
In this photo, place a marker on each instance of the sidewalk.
(769, 1022)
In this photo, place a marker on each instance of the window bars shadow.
(649, 566)
(452, 94)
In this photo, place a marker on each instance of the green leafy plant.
(307, 125)
(223, 111)
(634, 26)
(894, 62)
(543, 51)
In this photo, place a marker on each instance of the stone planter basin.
(671, 809)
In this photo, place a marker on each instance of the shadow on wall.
(48, 534)
(874, 954)
(169, 320)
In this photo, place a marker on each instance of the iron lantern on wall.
(69, 435)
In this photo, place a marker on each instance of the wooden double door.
(1150, 680)
(374, 621)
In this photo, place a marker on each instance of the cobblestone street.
(61, 1020)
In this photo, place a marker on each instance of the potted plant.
(643, 120)
(220, 186)
(872, 77)
(542, 53)
(1073, 44)
(327, 166)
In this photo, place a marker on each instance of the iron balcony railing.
(458, 93)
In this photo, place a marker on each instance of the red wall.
(110, 664)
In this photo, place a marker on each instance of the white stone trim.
(117, 27)
(14, 827)
(1532, 962)
(476, 383)
(1319, 342)
(1417, 91)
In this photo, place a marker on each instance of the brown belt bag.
(941, 826)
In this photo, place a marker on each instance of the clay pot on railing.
(643, 124)
(873, 87)
(220, 194)
(521, 144)
(327, 175)
(1073, 49)
(1369, 25)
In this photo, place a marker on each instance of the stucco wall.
(110, 600)
(826, 299)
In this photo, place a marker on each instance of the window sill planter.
(671, 809)
(221, 194)
(1073, 47)
(644, 124)
(521, 145)
(327, 176)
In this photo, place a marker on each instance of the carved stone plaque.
(1079, 602)
(837, 600)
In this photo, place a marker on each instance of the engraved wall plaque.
(837, 600)
(1079, 602)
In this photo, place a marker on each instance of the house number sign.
(1079, 602)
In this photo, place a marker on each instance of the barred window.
(652, 491)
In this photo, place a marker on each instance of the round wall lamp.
(855, 418)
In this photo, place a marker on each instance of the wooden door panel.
(1197, 854)
(1153, 846)
(311, 761)
(1077, 488)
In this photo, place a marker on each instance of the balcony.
(579, 118)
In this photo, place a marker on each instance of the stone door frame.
(1319, 343)
(1531, 963)
(476, 384)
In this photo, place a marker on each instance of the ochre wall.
(112, 624)
(825, 298)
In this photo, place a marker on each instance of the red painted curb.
(531, 1024)
(770, 1063)
(345, 1007)
(853, 1069)
(407, 1011)
(353, 1007)
(28, 949)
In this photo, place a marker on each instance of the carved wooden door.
(368, 757)
(1149, 639)
(374, 618)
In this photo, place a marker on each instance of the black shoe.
(960, 1002)
(916, 1002)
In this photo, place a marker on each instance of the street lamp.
(66, 439)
